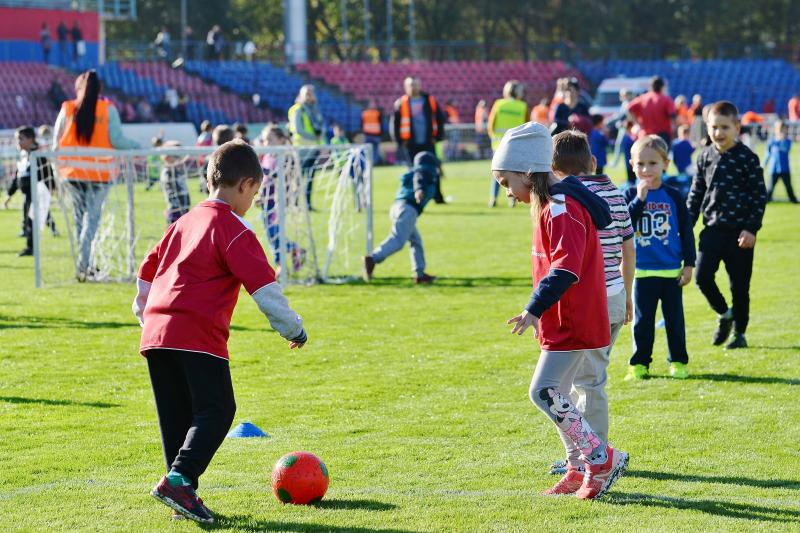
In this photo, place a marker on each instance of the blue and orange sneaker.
(183, 499)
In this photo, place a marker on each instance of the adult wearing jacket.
(306, 126)
(88, 121)
(417, 123)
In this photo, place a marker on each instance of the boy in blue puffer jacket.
(417, 188)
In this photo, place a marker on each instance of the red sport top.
(566, 239)
(654, 111)
(196, 271)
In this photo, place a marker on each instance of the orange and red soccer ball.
(299, 478)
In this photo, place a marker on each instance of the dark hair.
(205, 126)
(723, 108)
(26, 131)
(571, 153)
(87, 87)
(597, 119)
(232, 162)
(222, 134)
(239, 128)
(657, 83)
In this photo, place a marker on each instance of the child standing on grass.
(572, 157)
(665, 257)
(729, 190)
(417, 188)
(568, 310)
(187, 288)
(777, 161)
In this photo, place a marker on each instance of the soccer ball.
(299, 478)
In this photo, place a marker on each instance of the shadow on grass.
(248, 523)
(746, 379)
(51, 322)
(367, 505)
(714, 507)
(48, 401)
(671, 476)
(442, 282)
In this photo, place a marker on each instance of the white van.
(607, 102)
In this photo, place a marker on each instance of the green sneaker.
(678, 370)
(637, 372)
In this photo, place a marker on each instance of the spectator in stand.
(47, 41)
(183, 99)
(62, 32)
(88, 121)
(541, 113)
(794, 107)
(654, 111)
(56, 93)
(219, 45)
(163, 43)
(171, 97)
(372, 126)
(78, 46)
(144, 111)
(249, 50)
(189, 44)
(417, 123)
(211, 42)
(127, 113)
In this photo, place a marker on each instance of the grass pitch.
(415, 397)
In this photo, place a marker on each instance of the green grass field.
(415, 397)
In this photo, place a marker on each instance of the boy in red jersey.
(187, 288)
(567, 310)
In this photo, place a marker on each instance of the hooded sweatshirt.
(567, 264)
(422, 177)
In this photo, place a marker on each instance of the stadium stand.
(277, 88)
(463, 82)
(748, 83)
(24, 90)
(205, 101)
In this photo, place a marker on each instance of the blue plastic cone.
(246, 430)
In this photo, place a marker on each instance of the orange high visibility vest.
(452, 114)
(371, 122)
(405, 118)
(100, 169)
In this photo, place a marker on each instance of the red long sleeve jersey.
(566, 239)
(196, 271)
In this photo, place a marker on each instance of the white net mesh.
(313, 211)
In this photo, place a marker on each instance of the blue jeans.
(404, 229)
(87, 206)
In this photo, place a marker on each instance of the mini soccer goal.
(105, 209)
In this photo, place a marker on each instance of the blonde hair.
(653, 142)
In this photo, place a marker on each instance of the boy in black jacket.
(729, 191)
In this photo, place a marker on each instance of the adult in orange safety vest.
(372, 127)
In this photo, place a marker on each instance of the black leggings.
(195, 405)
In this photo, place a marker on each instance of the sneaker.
(723, 330)
(369, 267)
(739, 341)
(569, 484)
(637, 372)
(678, 370)
(599, 478)
(425, 279)
(25, 252)
(182, 499)
(558, 468)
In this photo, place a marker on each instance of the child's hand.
(293, 345)
(628, 311)
(642, 189)
(523, 321)
(746, 240)
(685, 277)
(419, 196)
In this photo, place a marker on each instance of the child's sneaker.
(183, 499)
(723, 330)
(558, 468)
(637, 372)
(599, 478)
(678, 370)
(739, 341)
(569, 484)
(425, 279)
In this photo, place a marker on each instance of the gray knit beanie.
(526, 148)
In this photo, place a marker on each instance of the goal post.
(102, 212)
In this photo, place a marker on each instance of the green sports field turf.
(415, 397)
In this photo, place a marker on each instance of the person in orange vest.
(372, 126)
(454, 136)
(541, 113)
(88, 121)
(417, 123)
(481, 129)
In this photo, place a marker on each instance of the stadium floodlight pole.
(37, 249)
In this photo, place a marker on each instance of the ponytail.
(87, 87)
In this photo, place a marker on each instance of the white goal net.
(105, 209)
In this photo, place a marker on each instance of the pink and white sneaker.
(600, 477)
(569, 484)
